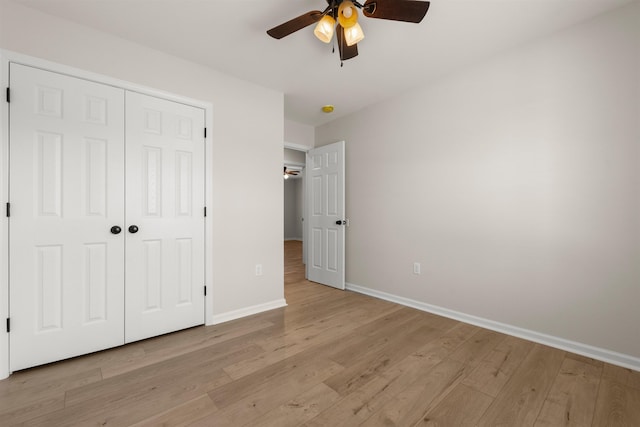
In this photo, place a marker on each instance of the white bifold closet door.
(66, 269)
(165, 201)
(82, 171)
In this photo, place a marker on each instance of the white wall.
(298, 135)
(515, 183)
(299, 185)
(247, 129)
(294, 156)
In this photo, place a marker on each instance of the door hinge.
(205, 290)
(8, 210)
(205, 132)
(8, 96)
(205, 211)
(8, 325)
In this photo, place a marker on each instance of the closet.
(106, 225)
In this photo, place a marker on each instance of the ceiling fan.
(348, 31)
(290, 172)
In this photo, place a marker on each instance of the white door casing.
(324, 176)
(165, 200)
(66, 191)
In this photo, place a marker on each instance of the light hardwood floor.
(331, 358)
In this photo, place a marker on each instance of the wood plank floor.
(331, 358)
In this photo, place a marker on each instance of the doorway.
(323, 219)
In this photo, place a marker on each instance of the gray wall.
(293, 201)
(516, 185)
(293, 197)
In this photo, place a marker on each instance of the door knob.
(338, 222)
(115, 229)
(133, 229)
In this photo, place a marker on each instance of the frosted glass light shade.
(325, 28)
(347, 14)
(353, 34)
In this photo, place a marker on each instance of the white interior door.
(325, 213)
(66, 191)
(165, 202)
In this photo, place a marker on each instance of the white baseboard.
(246, 311)
(604, 355)
(293, 238)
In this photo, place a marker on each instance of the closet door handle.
(133, 229)
(115, 229)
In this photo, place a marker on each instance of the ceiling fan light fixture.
(349, 32)
(353, 35)
(325, 28)
(347, 14)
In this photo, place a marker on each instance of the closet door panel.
(66, 191)
(165, 204)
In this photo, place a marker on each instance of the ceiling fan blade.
(396, 10)
(295, 24)
(346, 52)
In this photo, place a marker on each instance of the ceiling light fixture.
(325, 29)
(347, 14)
(347, 18)
(327, 108)
(353, 34)
(347, 29)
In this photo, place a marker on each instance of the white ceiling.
(230, 36)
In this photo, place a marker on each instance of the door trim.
(7, 57)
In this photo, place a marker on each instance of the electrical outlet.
(258, 269)
(416, 268)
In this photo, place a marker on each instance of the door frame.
(7, 57)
